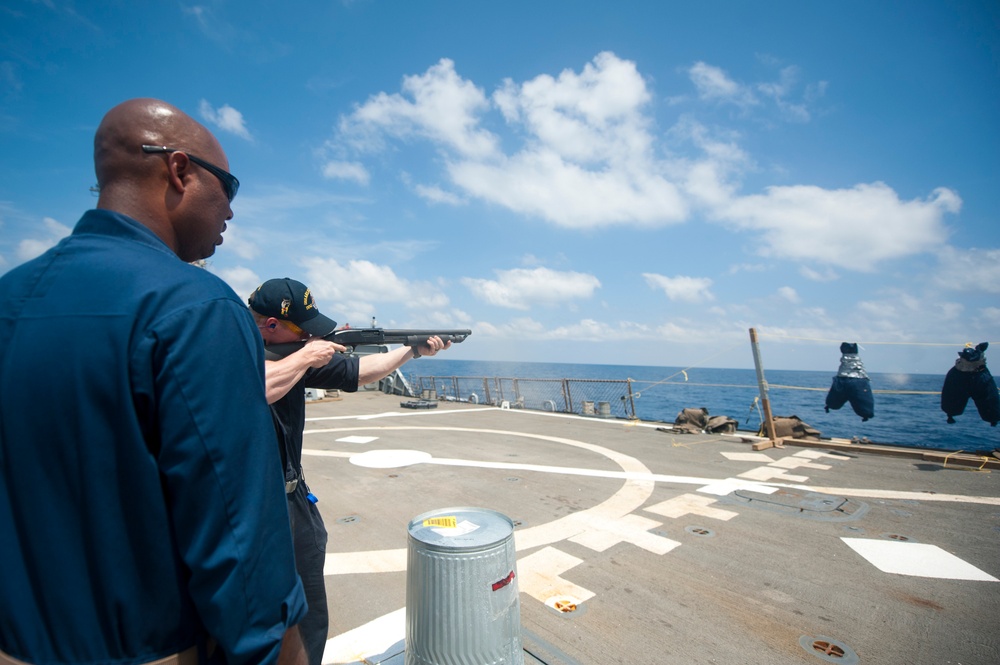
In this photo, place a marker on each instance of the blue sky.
(597, 182)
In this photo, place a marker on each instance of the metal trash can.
(462, 604)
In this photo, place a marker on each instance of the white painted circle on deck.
(389, 459)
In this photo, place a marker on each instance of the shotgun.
(353, 337)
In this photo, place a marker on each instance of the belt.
(186, 657)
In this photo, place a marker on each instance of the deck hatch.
(810, 505)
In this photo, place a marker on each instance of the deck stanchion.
(631, 401)
(773, 441)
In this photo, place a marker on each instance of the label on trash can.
(448, 522)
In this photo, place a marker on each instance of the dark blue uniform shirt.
(141, 503)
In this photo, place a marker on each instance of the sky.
(628, 183)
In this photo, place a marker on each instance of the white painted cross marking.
(747, 457)
(797, 462)
(816, 454)
(691, 504)
(602, 533)
(539, 575)
(767, 473)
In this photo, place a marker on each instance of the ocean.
(912, 420)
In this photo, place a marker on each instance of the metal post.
(774, 441)
(631, 400)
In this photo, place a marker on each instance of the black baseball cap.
(290, 300)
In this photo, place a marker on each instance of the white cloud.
(521, 287)
(681, 288)
(585, 330)
(242, 280)
(827, 275)
(592, 117)
(590, 158)
(346, 171)
(898, 313)
(587, 160)
(991, 315)
(29, 248)
(849, 228)
(746, 267)
(435, 194)
(438, 105)
(970, 270)
(542, 184)
(225, 118)
(780, 90)
(789, 294)
(713, 84)
(351, 292)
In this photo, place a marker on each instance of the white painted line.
(902, 496)
(691, 504)
(730, 485)
(815, 454)
(765, 473)
(375, 561)
(917, 559)
(373, 638)
(396, 414)
(357, 439)
(326, 453)
(798, 462)
(747, 457)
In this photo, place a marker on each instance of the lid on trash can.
(460, 528)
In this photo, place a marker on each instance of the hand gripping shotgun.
(353, 337)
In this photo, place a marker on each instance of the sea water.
(902, 419)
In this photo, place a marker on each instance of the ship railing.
(602, 398)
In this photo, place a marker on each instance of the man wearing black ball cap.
(286, 311)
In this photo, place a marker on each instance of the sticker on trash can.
(450, 527)
(504, 582)
(449, 522)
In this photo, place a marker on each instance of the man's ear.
(177, 168)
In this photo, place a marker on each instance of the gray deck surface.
(684, 561)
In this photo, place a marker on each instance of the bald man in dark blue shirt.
(142, 513)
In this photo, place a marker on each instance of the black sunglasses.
(228, 180)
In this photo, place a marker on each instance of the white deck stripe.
(375, 637)
(917, 559)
